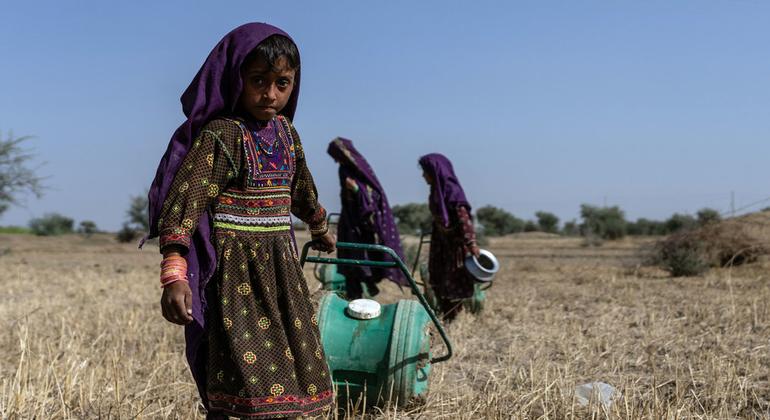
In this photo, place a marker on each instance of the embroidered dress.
(365, 217)
(450, 281)
(452, 236)
(264, 356)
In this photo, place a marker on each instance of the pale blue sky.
(658, 106)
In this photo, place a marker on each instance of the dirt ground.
(83, 336)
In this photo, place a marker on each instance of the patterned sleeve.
(466, 222)
(212, 162)
(304, 196)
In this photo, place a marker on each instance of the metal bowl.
(483, 268)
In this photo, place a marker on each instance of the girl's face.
(428, 178)
(266, 89)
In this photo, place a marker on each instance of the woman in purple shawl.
(365, 218)
(221, 203)
(453, 237)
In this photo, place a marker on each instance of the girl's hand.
(176, 303)
(326, 243)
(473, 249)
(351, 184)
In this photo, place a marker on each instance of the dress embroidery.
(264, 203)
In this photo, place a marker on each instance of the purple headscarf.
(446, 191)
(354, 165)
(214, 92)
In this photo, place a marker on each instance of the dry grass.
(83, 337)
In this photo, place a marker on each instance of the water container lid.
(363, 309)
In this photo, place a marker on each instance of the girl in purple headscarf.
(453, 236)
(221, 204)
(365, 218)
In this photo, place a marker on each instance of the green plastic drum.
(377, 360)
(475, 304)
(331, 279)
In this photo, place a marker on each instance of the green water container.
(475, 304)
(386, 358)
(377, 353)
(330, 278)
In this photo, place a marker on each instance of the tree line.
(595, 221)
(16, 177)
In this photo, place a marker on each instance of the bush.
(571, 228)
(604, 222)
(413, 218)
(51, 224)
(692, 252)
(547, 222)
(497, 222)
(531, 226)
(680, 222)
(682, 255)
(707, 216)
(87, 228)
(139, 213)
(645, 227)
(127, 234)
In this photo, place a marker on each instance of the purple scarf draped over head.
(354, 165)
(445, 192)
(214, 92)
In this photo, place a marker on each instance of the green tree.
(87, 228)
(138, 213)
(548, 222)
(679, 222)
(413, 218)
(604, 222)
(571, 228)
(51, 224)
(126, 234)
(531, 226)
(16, 177)
(646, 227)
(497, 222)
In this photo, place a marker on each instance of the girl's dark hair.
(274, 47)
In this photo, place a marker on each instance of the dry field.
(83, 337)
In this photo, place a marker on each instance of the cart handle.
(396, 263)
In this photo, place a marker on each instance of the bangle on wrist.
(172, 281)
(173, 269)
(320, 230)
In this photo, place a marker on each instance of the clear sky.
(658, 106)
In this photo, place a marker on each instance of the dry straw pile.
(720, 244)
